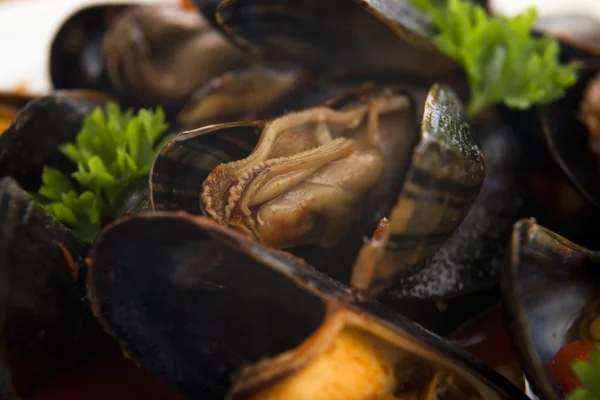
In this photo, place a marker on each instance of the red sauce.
(104, 374)
(486, 338)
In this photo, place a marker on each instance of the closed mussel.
(194, 301)
(550, 289)
(42, 292)
(298, 181)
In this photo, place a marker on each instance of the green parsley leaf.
(110, 152)
(588, 373)
(504, 63)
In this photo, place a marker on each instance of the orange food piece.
(188, 5)
(560, 366)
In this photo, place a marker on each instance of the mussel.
(166, 51)
(330, 46)
(286, 182)
(550, 289)
(194, 301)
(339, 39)
(42, 292)
(143, 54)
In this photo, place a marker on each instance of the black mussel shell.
(567, 138)
(339, 38)
(185, 162)
(472, 258)
(193, 301)
(32, 140)
(76, 50)
(547, 287)
(42, 292)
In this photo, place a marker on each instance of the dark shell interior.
(194, 319)
(547, 284)
(567, 139)
(42, 292)
(337, 37)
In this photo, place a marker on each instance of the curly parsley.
(503, 61)
(111, 152)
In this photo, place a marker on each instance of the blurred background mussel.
(194, 301)
(143, 53)
(551, 289)
(331, 46)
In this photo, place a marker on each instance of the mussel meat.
(194, 301)
(166, 51)
(285, 182)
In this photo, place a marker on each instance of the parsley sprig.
(504, 63)
(111, 152)
(588, 373)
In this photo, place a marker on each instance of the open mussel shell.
(42, 292)
(339, 38)
(548, 288)
(471, 259)
(426, 177)
(194, 301)
(568, 130)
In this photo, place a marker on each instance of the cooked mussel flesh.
(194, 301)
(42, 292)
(550, 292)
(166, 51)
(299, 179)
